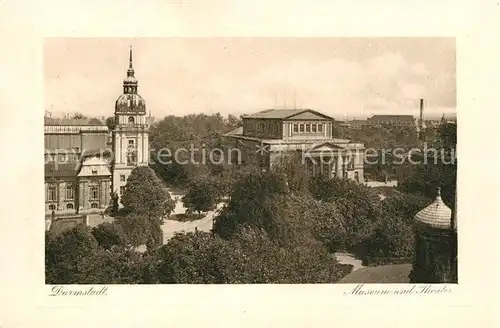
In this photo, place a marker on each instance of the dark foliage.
(145, 195)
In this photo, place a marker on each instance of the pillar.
(60, 194)
(339, 166)
(102, 190)
(138, 148)
(117, 147)
(123, 152)
(82, 204)
(146, 146)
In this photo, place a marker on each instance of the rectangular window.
(301, 127)
(94, 191)
(51, 192)
(313, 127)
(295, 128)
(308, 127)
(122, 190)
(122, 178)
(131, 142)
(70, 192)
(320, 127)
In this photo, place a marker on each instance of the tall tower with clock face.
(131, 133)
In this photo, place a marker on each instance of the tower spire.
(130, 58)
(130, 71)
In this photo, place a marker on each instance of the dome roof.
(130, 102)
(436, 215)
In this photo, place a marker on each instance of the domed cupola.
(130, 101)
(437, 215)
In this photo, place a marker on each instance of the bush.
(248, 257)
(109, 235)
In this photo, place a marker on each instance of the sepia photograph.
(259, 160)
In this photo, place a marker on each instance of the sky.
(341, 77)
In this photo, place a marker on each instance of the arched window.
(69, 206)
(94, 191)
(131, 120)
(52, 207)
(94, 205)
(70, 192)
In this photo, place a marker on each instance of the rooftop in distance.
(284, 113)
(70, 121)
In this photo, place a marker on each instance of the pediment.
(327, 146)
(309, 115)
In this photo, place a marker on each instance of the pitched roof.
(393, 117)
(284, 113)
(61, 170)
(237, 131)
(70, 121)
(94, 166)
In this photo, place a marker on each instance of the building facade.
(85, 162)
(269, 137)
(393, 120)
(76, 176)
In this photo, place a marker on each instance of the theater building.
(269, 137)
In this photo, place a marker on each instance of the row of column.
(334, 167)
(327, 130)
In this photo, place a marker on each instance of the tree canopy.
(145, 195)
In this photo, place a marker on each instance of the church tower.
(131, 133)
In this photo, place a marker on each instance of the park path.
(170, 227)
(347, 258)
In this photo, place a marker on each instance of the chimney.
(421, 113)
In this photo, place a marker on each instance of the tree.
(111, 123)
(249, 257)
(95, 121)
(391, 242)
(137, 229)
(437, 172)
(69, 255)
(146, 196)
(202, 196)
(251, 201)
(293, 167)
(357, 204)
(109, 235)
(114, 205)
(78, 116)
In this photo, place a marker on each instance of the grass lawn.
(184, 217)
